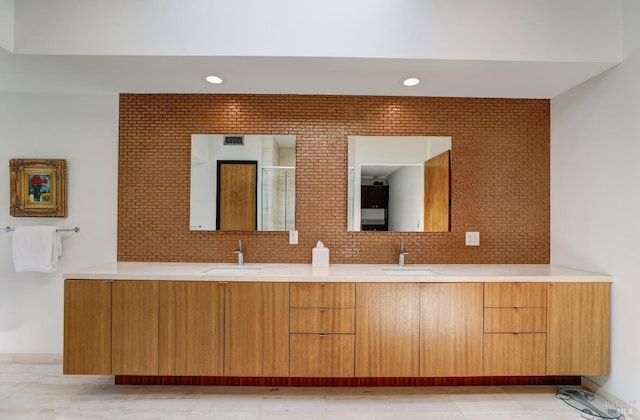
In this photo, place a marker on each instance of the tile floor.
(38, 390)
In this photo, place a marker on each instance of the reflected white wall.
(406, 213)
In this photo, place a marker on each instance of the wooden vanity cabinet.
(256, 332)
(111, 327)
(335, 330)
(134, 327)
(322, 330)
(578, 329)
(514, 329)
(87, 327)
(451, 329)
(191, 328)
(387, 329)
(409, 330)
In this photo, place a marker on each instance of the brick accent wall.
(500, 176)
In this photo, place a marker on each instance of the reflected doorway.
(237, 195)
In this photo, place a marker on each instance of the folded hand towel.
(36, 248)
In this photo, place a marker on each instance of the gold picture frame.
(38, 187)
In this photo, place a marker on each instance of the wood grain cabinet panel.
(515, 329)
(322, 327)
(578, 329)
(323, 295)
(87, 327)
(277, 329)
(530, 295)
(191, 328)
(451, 329)
(320, 320)
(514, 354)
(134, 328)
(256, 329)
(510, 320)
(387, 329)
(322, 355)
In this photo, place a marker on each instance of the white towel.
(36, 248)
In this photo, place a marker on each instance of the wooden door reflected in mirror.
(437, 193)
(237, 195)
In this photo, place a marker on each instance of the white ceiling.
(460, 48)
(290, 75)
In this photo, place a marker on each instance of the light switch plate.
(293, 237)
(472, 239)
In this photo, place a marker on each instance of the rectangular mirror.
(399, 184)
(242, 182)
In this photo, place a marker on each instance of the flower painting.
(38, 187)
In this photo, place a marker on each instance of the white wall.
(406, 213)
(518, 30)
(83, 129)
(6, 24)
(595, 195)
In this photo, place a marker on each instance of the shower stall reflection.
(278, 198)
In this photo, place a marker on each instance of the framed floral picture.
(38, 187)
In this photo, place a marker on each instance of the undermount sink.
(401, 271)
(238, 269)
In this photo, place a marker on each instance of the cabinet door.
(374, 197)
(322, 355)
(514, 354)
(387, 329)
(256, 329)
(87, 327)
(134, 328)
(191, 328)
(578, 329)
(451, 329)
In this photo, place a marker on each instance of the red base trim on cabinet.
(353, 382)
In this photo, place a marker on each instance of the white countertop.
(362, 273)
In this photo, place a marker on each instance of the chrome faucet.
(240, 253)
(402, 254)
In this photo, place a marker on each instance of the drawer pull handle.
(322, 309)
(322, 334)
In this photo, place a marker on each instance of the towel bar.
(75, 229)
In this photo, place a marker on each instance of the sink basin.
(400, 271)
(232, 270)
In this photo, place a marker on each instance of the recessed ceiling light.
(411, 81)
(213, 80)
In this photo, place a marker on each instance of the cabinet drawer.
(510, 320)
(532, 295)
(322, 355)
(317, 320)
(323, 295)
(514, 354)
